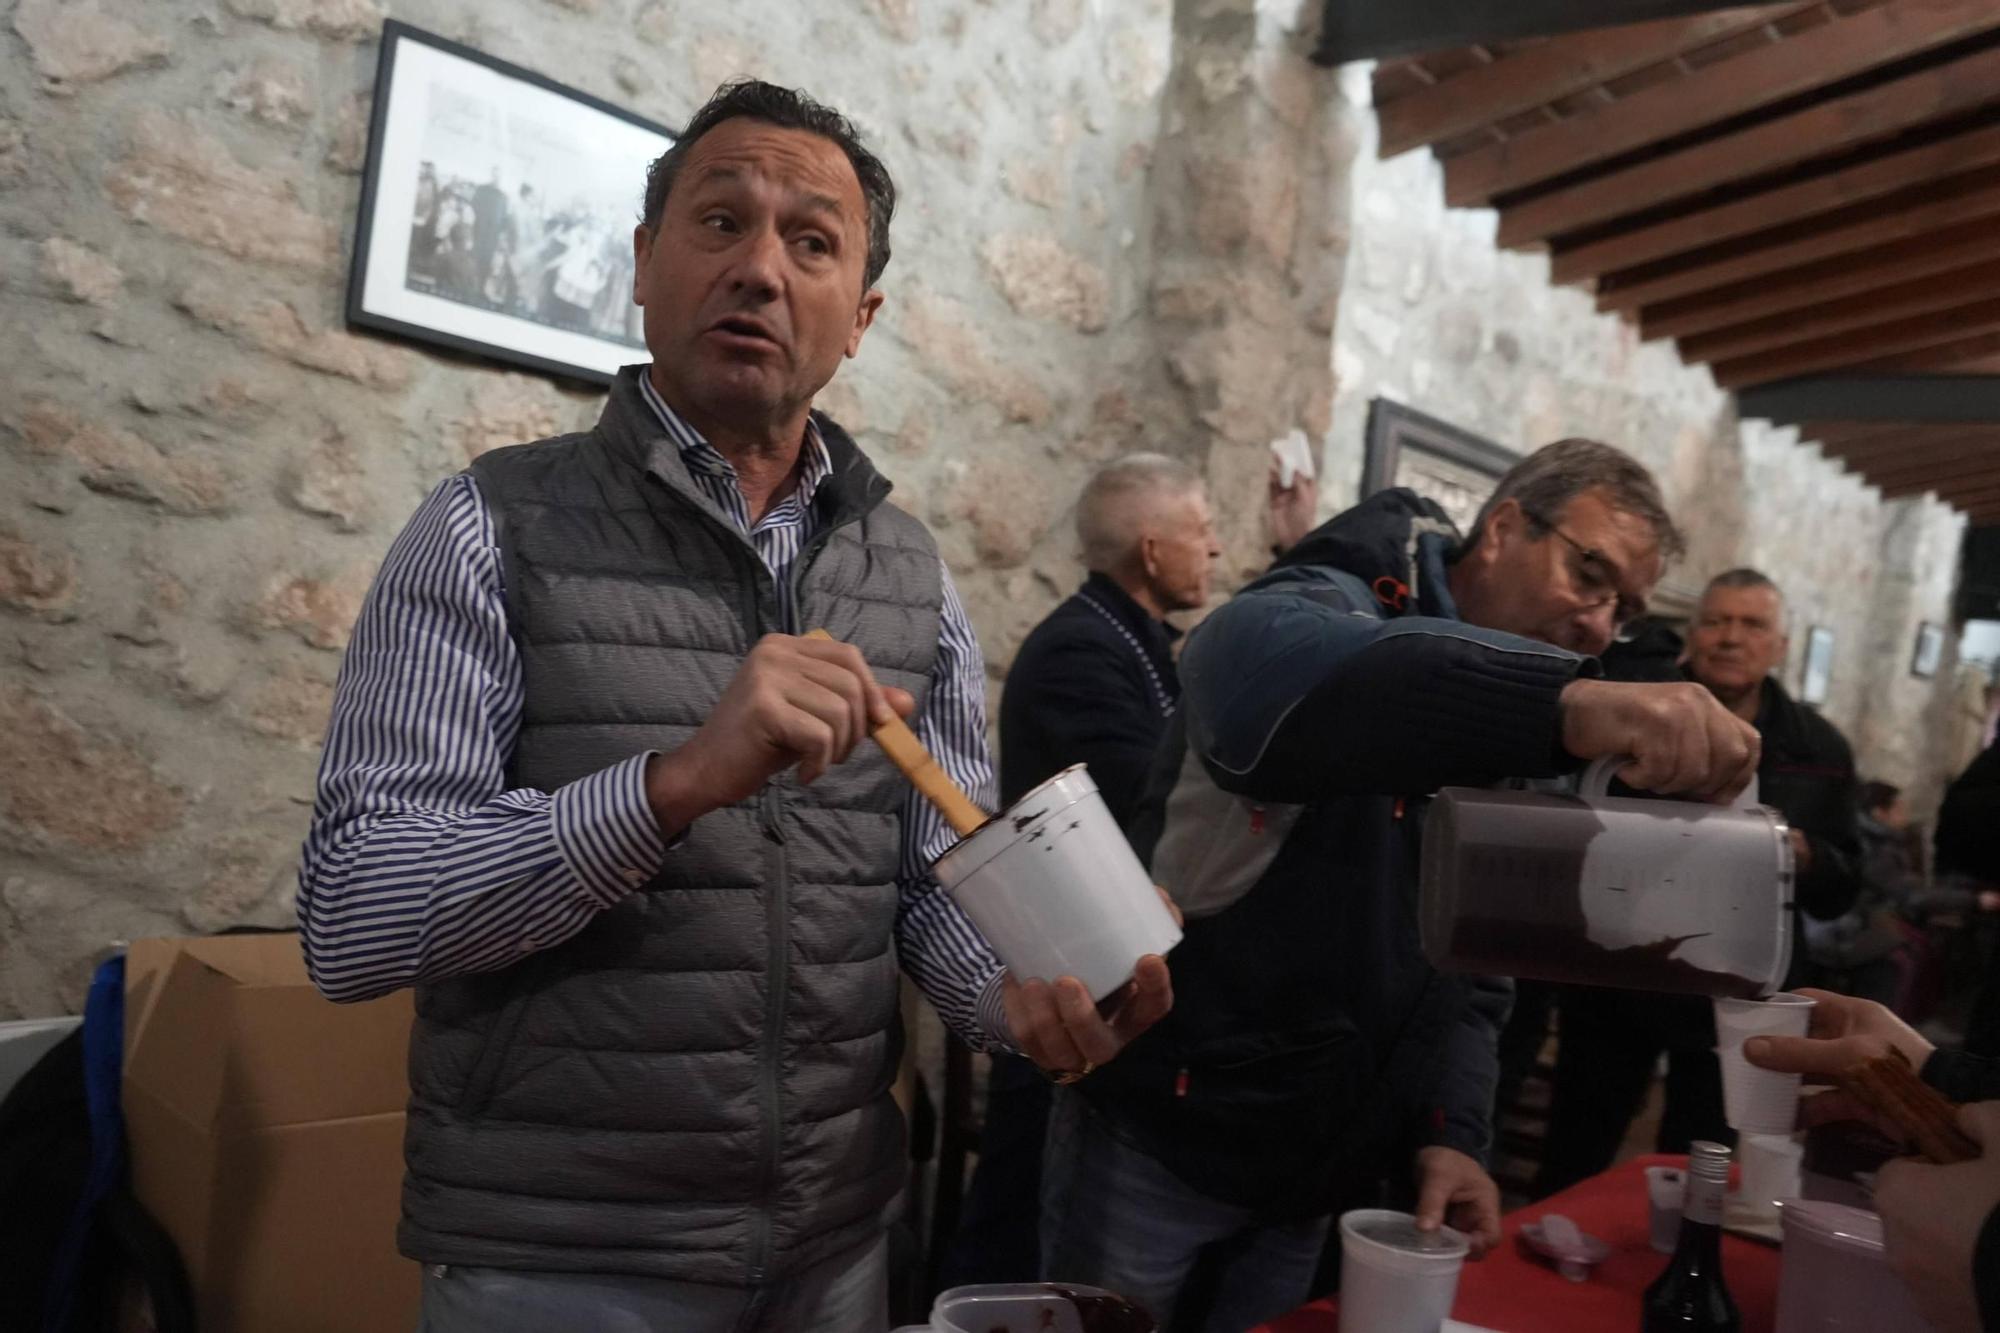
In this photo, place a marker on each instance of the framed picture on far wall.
(1817, 675)
(1929, 652)
(1434, 458)
(497, 211)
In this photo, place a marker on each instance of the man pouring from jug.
(1313, 1046)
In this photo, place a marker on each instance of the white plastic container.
(1834, 1277)
(1028, 1307)
(1393, 1279)
(1057, 891)
(1602, 890)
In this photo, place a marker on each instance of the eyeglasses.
(1596, 576)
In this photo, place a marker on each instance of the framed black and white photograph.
(497, 211)
(1929, 652)
(1434, 458)
(1817, 675)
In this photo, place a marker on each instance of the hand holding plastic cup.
(1759, 1101)
(1394, 1278)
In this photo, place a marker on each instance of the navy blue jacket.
(1093, 684)
(1309, 1037)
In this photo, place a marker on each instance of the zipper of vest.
(777, 909)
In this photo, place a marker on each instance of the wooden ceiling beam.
(1773, 208)
(1728, 88)
(1983, 474)
(1863, 347)
(1942, 357)
(1969, 455)
(1939, 93)
(1950, 214)
(1553, 70)
(1913, 442)
(1941, 291)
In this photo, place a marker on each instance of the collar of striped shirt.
(815, 463)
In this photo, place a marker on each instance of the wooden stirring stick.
(906, 752)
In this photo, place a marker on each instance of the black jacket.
(1968, 824)
(1093, 684)
(1807, 772)
(1311, 1044)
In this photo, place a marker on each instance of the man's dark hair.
(788, 109)
(1546, 481)
(1878, 795)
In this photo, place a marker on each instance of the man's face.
(1180, 550)
(1738, 639)
(753, 282)
(1571, 584)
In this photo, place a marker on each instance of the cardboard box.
(266, 1127)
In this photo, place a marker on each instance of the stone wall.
(1434, 316)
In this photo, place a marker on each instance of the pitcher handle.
(1596, 782)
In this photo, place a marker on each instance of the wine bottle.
(1689, 1296)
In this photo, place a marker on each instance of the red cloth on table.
(1515, 1292)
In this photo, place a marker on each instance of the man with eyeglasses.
(1314, 1056)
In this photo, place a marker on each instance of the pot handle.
(1595, 784)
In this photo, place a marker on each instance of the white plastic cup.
(1666, 1193)
(1057, 891)
(1758, 1101)
(1393, 1278)
(1770, 1171)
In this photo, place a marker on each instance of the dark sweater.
(1093, 684)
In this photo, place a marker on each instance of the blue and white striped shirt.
(421, 864)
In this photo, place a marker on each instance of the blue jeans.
(1113, 1217)
(848, 1293)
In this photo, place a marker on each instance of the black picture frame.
(1928, 653)
(500, 291)
(1399, 435)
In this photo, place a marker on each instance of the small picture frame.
(1928, 654)
(497, 210)
(1434, 458)
(1816, 678)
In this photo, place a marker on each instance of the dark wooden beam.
(1972, 454)
(1826, 127)
(1954, 206)
(1808, 198)
(1893, 401)
(1908, 447)
(1894, 338)
(1942, 291)
(1555, 69)
(1938, 359)
(1863, 433)
(1372, 29)
(1983, 472)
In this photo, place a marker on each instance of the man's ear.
(642, 250)
(864, 316)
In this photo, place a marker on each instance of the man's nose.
(759, 266)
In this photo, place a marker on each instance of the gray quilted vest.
(697, 1085)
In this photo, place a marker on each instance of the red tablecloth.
(1514, 1293)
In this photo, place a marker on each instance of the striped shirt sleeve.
(941, 949)
(420, 862)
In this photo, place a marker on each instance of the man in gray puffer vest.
(588, 789)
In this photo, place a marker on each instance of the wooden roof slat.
(1808, 198)
(1549, 72)
(1957, 207)
(1840, 434)
(1941, 291)
(1714, 94)
(1862, 272)
(1943, 459)
(1916, 441)
(1884, 340)
(1823, 128)
(1976, 346)
(1977, 470)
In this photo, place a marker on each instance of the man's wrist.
(674, 790)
